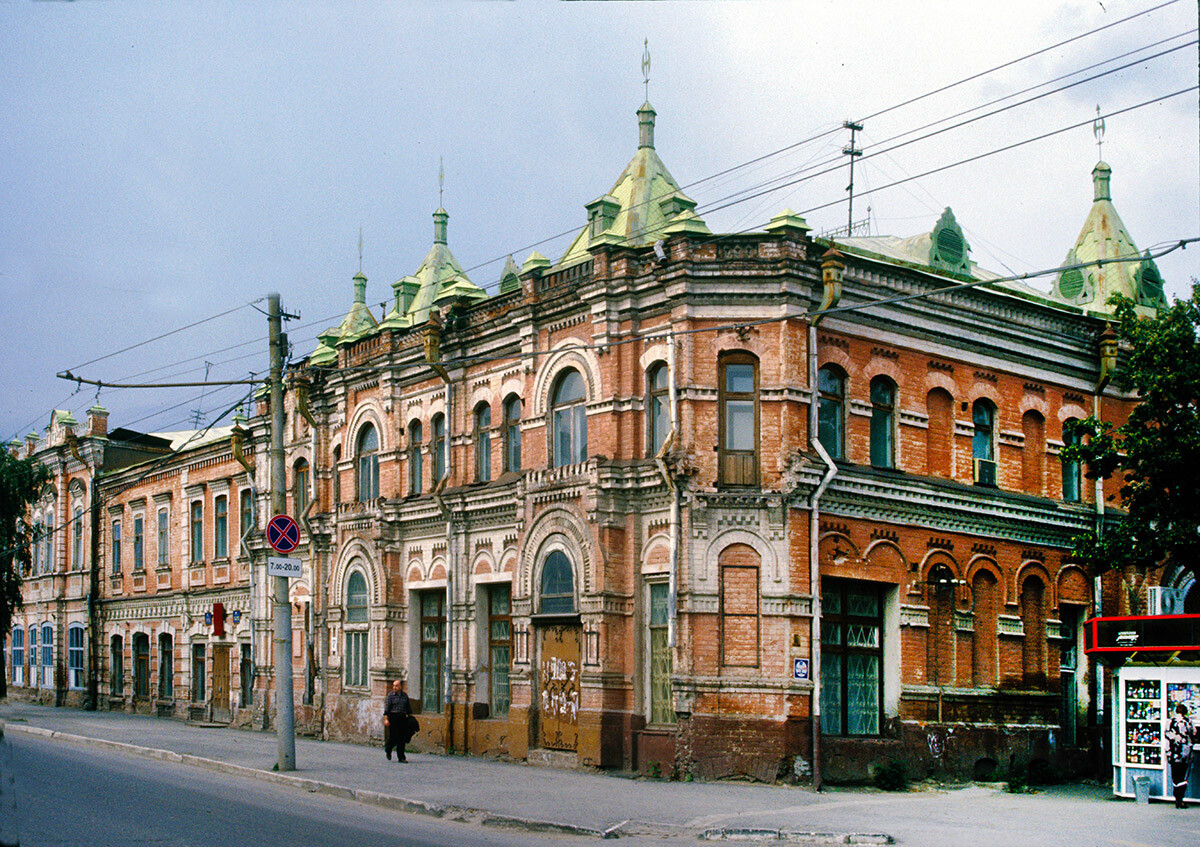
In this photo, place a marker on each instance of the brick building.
(591, 518)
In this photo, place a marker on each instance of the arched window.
(439, 448)
(939, 406)
(483, 442)
(512, 434)
(1033, 621)
(116, 667)
(558, 585)
(18, 656)
(738, 424)
(166, 666)
(1072, 484)
(301, 481)
(1033, 427)
(831, 402)
(883, 422)
(368, 464)
(355, 661)
(415, 467)
(658, 411)
(983, 449)
(77, 539)
(569, 420)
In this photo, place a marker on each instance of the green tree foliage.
(20, 482)
(1156, 452)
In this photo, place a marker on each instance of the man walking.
(397, 714)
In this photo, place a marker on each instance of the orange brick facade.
(629, 604)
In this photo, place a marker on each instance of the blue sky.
(163, 163)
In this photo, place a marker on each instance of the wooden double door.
(221, 711)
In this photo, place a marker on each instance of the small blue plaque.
(799, 668)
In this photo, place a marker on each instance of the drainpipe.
(433, 358)
(660, 459)
(237, 440)
(831, 278)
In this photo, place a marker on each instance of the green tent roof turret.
(641, 206)
(509, 277)
(438, 279)
(359, 322)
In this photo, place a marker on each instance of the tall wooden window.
(301, 480)
(116, 548)
(356, 627)
(831, 410)
(658, 411)
(851, 657)
(738, 436)
(569, 420)
(139, 543)
(197, 532)
(499, 648)
(483, 442)
(983, 442)
(221, 528)
(141, 664)
(739, 607)
(199, 686)
(245, 511)
(415, 466)
(116, 667)
(883, 422)
(163, 539)
(77, 539)
(368, 464)
(512, 434)
(337, 477)
(662, 708)
(1072, 483)
(166, 666)
(433, 649)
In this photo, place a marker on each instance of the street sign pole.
(282, 620)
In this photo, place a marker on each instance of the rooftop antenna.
(360, 249)
(1098, 131)
(853, 152)
(646, 68)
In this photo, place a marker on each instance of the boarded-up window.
(940, 408)
(1033, 619)
(1033, 425)
(983, 648)
(739, 607)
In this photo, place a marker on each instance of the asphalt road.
(69, 795)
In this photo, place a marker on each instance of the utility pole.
(853, 152)
(284, 696)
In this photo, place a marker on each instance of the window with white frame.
(139, 543)
(356, 628)
(657, 407)
(18, 656)
(197, 535)
(47, 656)
(75, 678)
(164, 538)
(34, 672)
(368, 464)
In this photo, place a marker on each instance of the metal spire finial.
(646, 68)
(360, 249)
(441, 179)
(1098, 131)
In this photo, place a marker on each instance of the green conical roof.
(359, 322)
(640, 206)
(1105, 237)
(438, 279)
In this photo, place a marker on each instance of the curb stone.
(374, 798)
(795, 837)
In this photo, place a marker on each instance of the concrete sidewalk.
(538, 798)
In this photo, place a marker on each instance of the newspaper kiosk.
(1156, 662)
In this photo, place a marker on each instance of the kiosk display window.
(1143, 722)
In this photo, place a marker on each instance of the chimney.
(97, 423)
